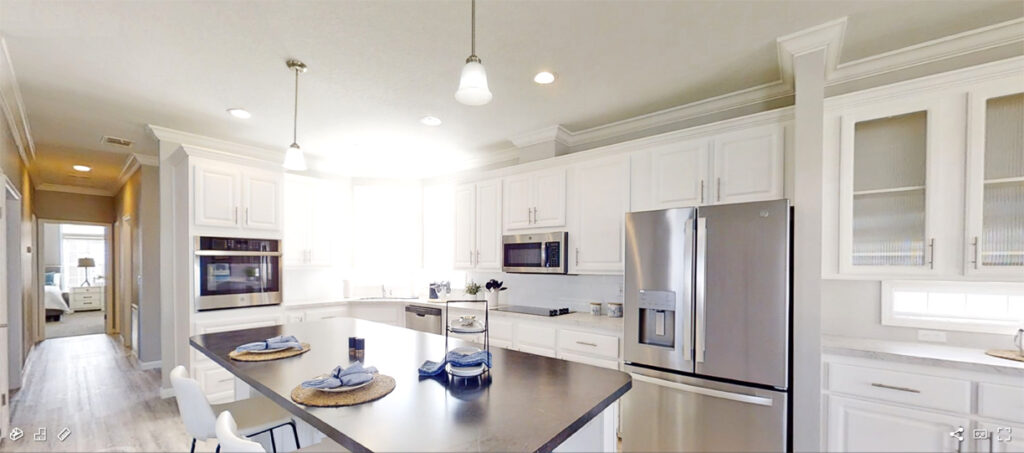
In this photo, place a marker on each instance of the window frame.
(961, 324)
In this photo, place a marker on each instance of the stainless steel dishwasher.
(423, 319)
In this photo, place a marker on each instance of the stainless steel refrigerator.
(707, 328)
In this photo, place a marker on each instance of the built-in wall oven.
(237, 272)
(535, 253)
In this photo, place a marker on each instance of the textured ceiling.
(97, 68)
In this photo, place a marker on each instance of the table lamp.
(86, 263)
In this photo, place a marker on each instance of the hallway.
(90, 385)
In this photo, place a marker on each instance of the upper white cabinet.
(535, 200)
(600, 200)
(995, 179)
(310, 220)
(477, 243)
(748, 165)
(728, 167)
(898, 162)
(235, 196)
(217, 191)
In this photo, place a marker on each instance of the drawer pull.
(892, 387)
(225, 380)
(586, 343)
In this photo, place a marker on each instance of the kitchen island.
(528, 402)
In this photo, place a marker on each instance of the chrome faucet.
(383, 291)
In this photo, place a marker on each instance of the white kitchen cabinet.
(678, 174)
(310, 209)
(477, 243)
(995, 180)
(748, 165)
(216, 382)
(861, 426)
(535, 200)
(999, 438)
(5, 396)
(217, 194)
(262, 203)
(387, 313)
(600, 191)
(898, 176)
(588, 360)
(319, 314)
(236, 196)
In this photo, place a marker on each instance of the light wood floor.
(90, 385)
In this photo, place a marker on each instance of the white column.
(809, 77)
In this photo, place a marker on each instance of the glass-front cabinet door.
(995, 180)
(890, 166)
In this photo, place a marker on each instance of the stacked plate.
(467, 327)
(466, 371)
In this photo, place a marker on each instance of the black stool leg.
(295, 432)
(193, 445)
(273, 445)
(218, 448)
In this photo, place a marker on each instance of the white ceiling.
(89, 69)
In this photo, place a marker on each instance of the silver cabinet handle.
(535, 215)
(478, 257)
(246, 215)
(974, 243)
(931, 253)
(586, 343)
(470, 257)
(577, 256)
(958, 434)
(718, 190)
(529, 215)
(701, 286)
(702, 191)
(235, 218)
(892, 387)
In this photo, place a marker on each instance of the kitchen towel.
(432, 368)
(355, 374)
(283, 341)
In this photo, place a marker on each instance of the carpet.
(77, 323)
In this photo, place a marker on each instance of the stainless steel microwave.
(237, 272)
(537, 253)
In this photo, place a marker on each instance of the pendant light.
(294, 159)
(473, 83)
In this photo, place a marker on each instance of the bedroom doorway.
(75, 274)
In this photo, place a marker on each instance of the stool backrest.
(230, 441)
(193, 406)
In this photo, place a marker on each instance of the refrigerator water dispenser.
(657, 317)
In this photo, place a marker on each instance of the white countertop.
(968, 359)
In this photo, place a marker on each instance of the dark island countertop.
(531, 402)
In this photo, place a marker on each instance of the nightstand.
(85, 298)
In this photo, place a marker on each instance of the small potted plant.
(473, 290)
(493, 288)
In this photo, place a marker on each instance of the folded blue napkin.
(431, 368)
(355, 374)
(284, 341)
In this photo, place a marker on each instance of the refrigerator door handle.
(739, 397)
(702, 245)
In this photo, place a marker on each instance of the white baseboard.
(149, 365)
(167, 393)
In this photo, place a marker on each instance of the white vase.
(492, 297)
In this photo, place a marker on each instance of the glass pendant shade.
(473, 84)
(294, 159)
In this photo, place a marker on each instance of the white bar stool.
(231, 442)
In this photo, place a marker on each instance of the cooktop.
(538, 311)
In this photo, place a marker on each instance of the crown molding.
(828, 36)
(556, 133)
(47, 187)
(215, 144)
(970, 41)
(13, 107)
(132, 163)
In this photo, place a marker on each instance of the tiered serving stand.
(484, 330)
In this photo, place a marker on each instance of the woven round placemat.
(1009, 354)
(381, 386)
(250, 357)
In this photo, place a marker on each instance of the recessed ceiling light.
(431, 120)
(544, 77)
(240, 113)
(82, 168)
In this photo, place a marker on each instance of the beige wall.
(74, 207)
(138, 200)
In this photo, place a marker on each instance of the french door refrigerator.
(707, 322)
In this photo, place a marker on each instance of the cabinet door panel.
(860, 426)
(678, 174)
(602, 197)
(748, 165)
(297, 208)
(263, 200)
(1001, 438)
(488, 226)
(465, 221)
(216, 196)
(518, 202)
(549, 198)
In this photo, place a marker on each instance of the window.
(964, 306)
(82, 241)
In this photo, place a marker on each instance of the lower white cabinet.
(392, 314)
(999, 438)
(581, 358)
(860, 426)
(217, 383)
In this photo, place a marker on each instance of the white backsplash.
(555, 291)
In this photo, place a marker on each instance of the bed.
(55, 302)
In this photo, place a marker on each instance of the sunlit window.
(967, 306)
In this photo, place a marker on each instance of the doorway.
(74, 271)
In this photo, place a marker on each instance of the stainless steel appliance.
(707, 324)
(539, 253)
(537, 311)
(423, 319)
(236, 272)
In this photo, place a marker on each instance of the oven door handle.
(232, 253)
